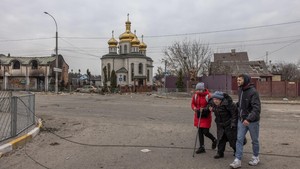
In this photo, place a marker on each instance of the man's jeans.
(253, 128)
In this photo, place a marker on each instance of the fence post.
(13, 108)
(32, 106)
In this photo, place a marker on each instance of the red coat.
(199, 100)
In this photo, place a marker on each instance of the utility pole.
(267, 53)
(165, 76)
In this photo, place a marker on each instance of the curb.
(20, 141)
(290, 102)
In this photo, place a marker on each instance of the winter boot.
(200, 150)
(219, 155)
(214, 144)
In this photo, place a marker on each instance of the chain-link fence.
(17, 113)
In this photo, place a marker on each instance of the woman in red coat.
(199, 102)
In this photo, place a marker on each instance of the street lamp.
(56, 54)
(186, 73)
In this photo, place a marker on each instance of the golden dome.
(127, 36)
(143, 46)
(135, 41)
(112, 42)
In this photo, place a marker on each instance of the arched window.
(132, 71)
(34, 64)
(120, 50)
(125, 48)
(124, 78)
(140, 68)
(16, 64)
(108, 71)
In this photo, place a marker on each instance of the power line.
(279, 48)
(196, 33)
(84, 52)
(224, 30)
(13, 40)
(168, 35)
(251, 40)
(269, 43)
(92, 38)
(214, 43)
(73, 51)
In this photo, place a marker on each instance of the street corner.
(20, 141)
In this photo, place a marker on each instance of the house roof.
(26, 60)
(235, 63)
(128, 55)
(253, 68)
(232, 56)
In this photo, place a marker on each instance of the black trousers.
(229, 135)
(204, 132)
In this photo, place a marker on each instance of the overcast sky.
(84, 27)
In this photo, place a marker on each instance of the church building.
(127, 57)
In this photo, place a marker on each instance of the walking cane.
(197, 133)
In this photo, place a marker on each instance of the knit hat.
(218, 95)
(200, 86)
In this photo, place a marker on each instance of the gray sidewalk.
(109, 131)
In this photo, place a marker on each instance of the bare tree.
(188, 56)
(288, 71)
(160, 72)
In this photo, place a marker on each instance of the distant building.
(129, 60)
(31, 73)
(235, 63)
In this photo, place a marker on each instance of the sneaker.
(200, 150)
(254, 161)
(236, 163)
(214, 144)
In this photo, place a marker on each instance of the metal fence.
(17, 113)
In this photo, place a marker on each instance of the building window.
(148, 75)
(120, 50)
(125, 48)
(124, 78)
(132, 71)
(140, 68)
(16, 64)
(34, 64)
(108, 71)
(120, 78)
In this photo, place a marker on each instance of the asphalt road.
(90, 131)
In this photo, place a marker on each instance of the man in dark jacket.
(249, 108)
(226, 121)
